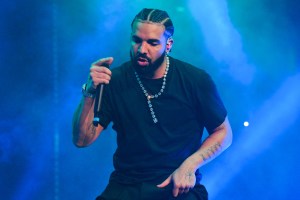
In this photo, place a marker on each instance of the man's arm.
(217, 142)
(183, 178)
(84, 132)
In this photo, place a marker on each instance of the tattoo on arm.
(92, 129)
(211, 151)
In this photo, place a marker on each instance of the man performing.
(159, 107)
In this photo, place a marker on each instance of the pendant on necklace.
(149, 97)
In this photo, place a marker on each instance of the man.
(159, 107)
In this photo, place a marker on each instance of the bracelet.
(85, 93)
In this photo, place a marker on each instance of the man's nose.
(143, 48)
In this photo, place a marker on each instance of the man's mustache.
(141, 55)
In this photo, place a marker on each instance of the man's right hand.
(99, 73)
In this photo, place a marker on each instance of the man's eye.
(153, 43)
(136, 40)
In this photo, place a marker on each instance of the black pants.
(147, 191)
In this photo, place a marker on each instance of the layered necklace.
(152, 96)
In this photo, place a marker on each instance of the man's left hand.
(183, 180)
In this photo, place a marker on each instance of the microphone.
(99, 94)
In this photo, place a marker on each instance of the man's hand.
(99, 73)
(183, 180)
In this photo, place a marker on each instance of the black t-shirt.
(151, 152)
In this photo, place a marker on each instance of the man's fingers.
(176, 191)
(94, 70)
(186, 190)
(165, 183)
(107, 60)
(100, 75)
(98, 81)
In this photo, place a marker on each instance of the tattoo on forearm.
(92, 129)
(211, 151)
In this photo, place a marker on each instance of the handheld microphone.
(99, 94)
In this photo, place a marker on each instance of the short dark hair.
(155, 16)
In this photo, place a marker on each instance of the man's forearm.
(84, 132)
(214, 145)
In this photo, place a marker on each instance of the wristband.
(85, 93)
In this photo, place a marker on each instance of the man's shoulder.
(188, 69)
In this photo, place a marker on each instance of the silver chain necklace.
(150, 96)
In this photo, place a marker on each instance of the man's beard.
(149, 70)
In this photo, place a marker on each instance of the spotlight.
(246, 123)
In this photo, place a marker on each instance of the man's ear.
(169, 44)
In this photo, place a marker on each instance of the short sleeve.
(211, 106)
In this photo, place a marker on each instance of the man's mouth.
(142, 61)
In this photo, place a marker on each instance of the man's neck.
(159, 73)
